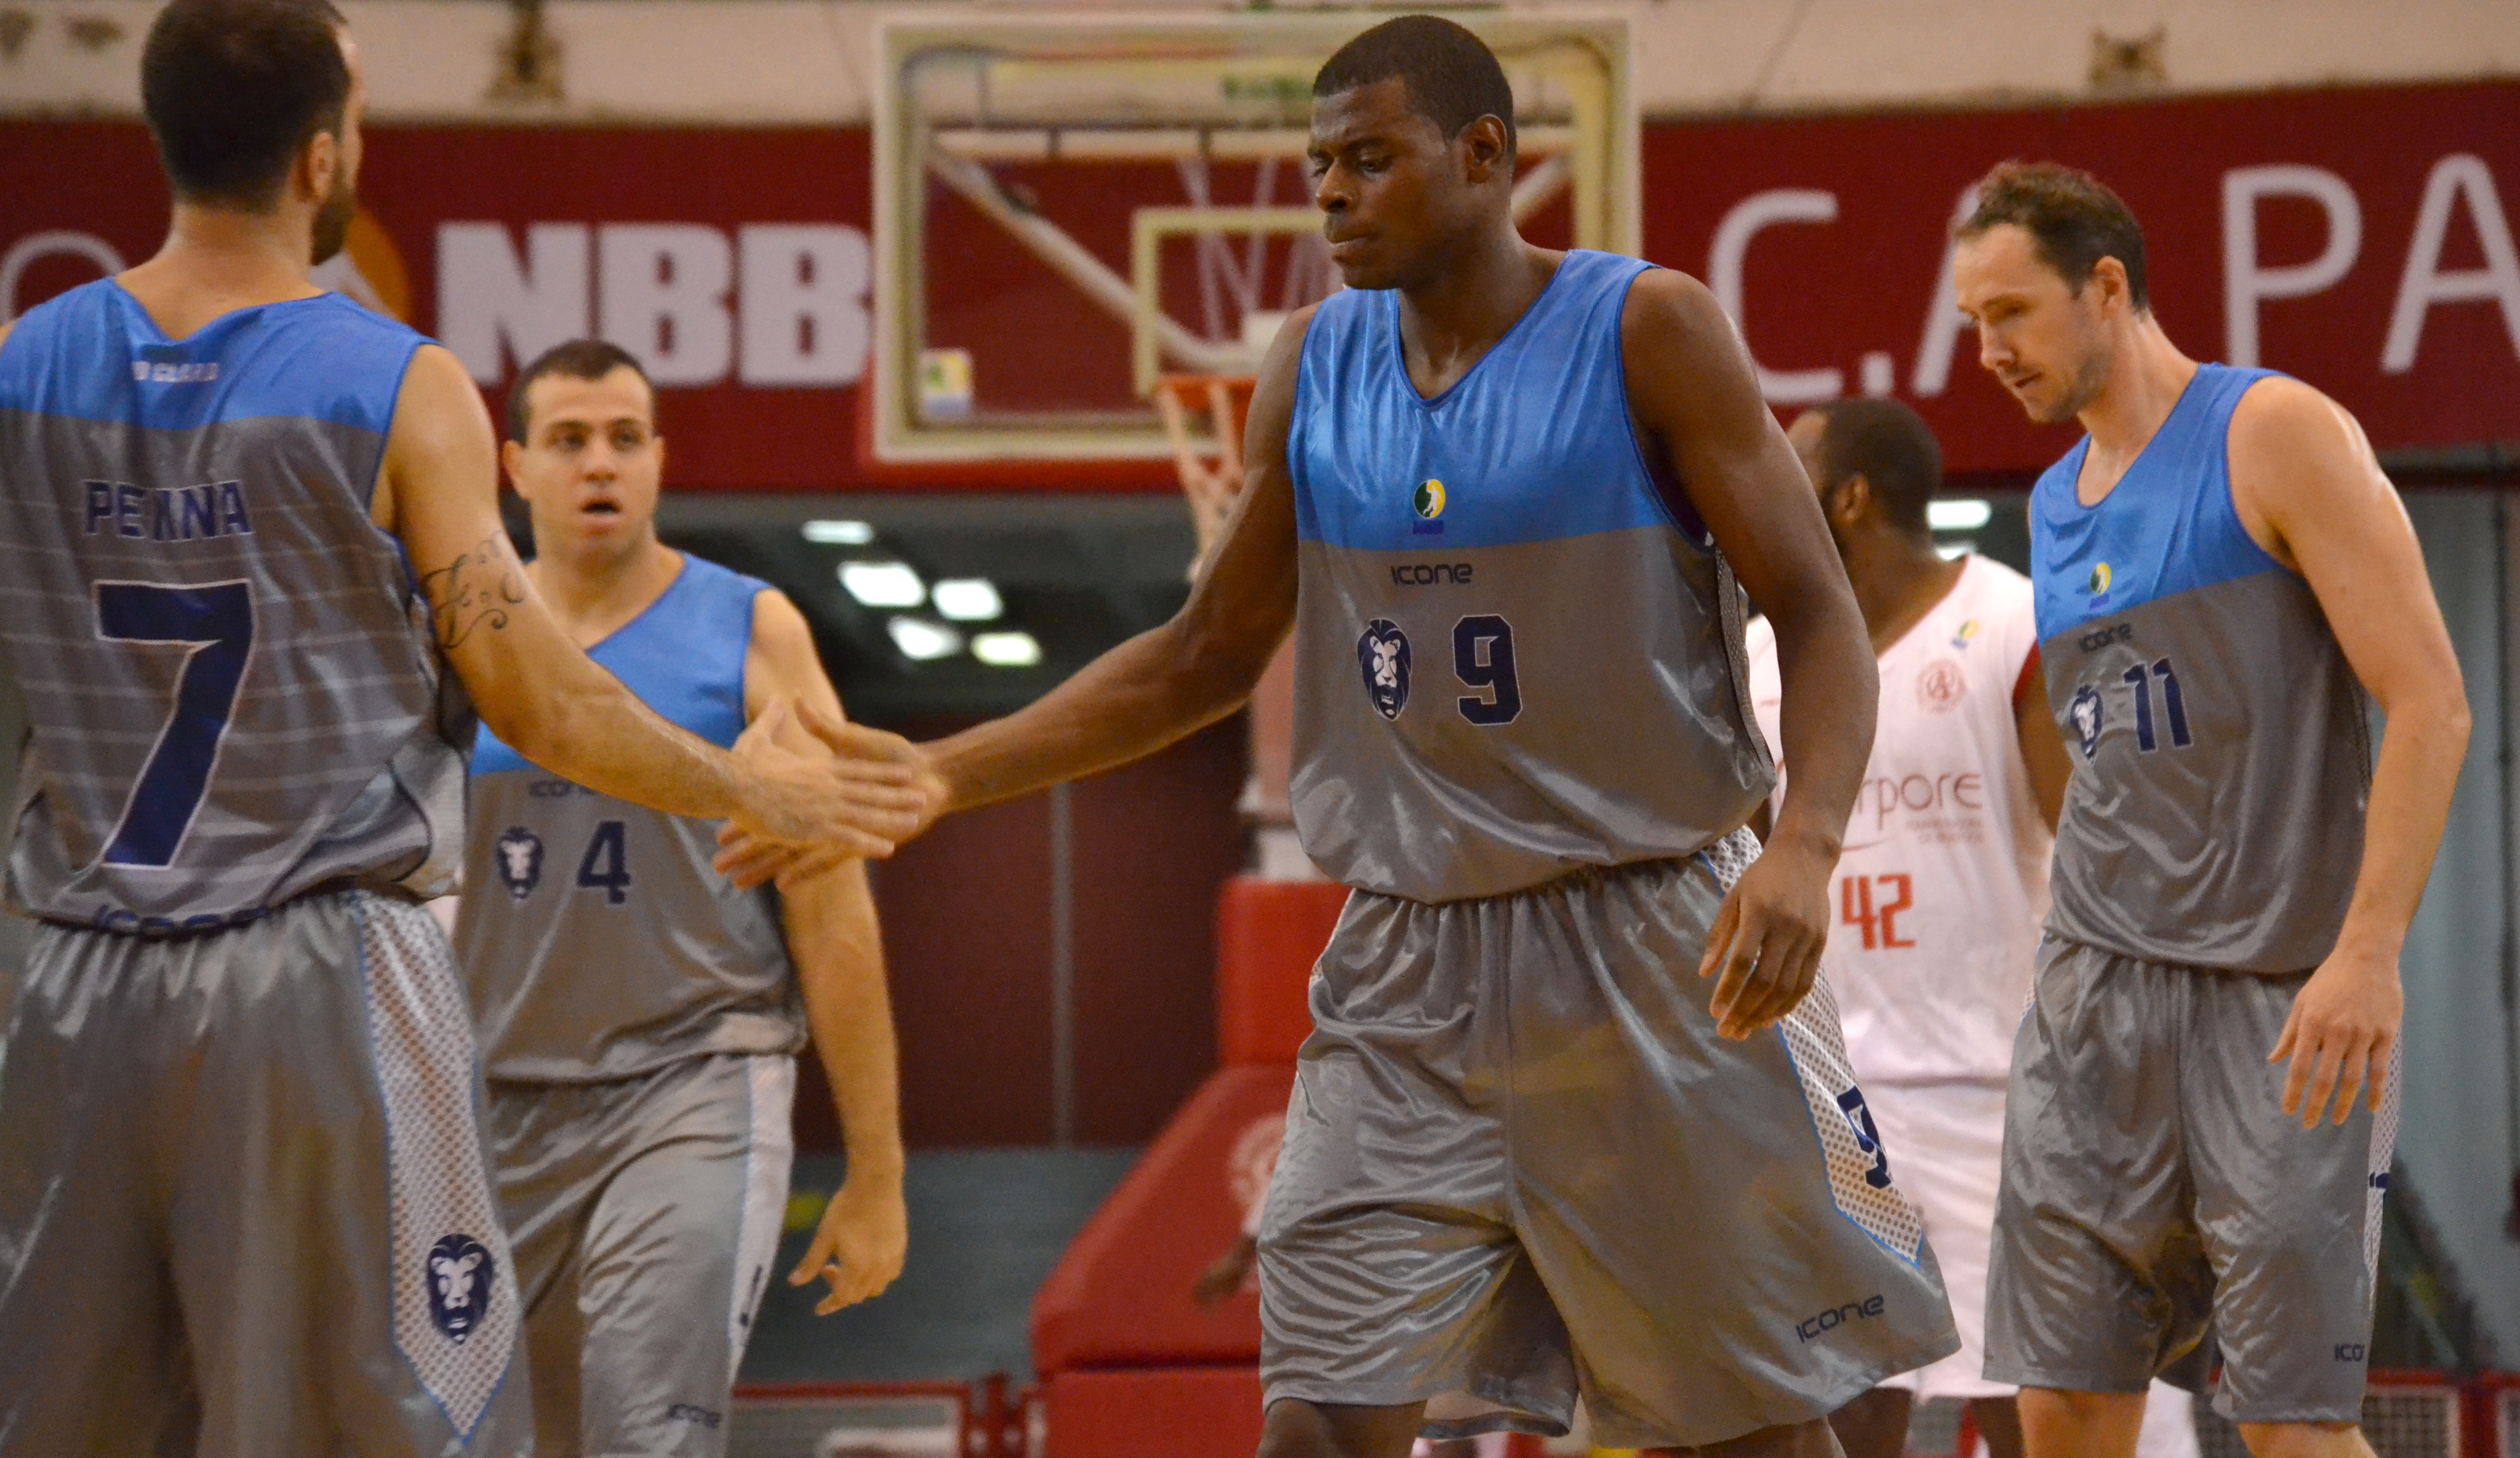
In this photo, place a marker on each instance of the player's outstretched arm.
(1696, 394)
(838, 953)
(1170, 681)
(438, 492)
(2309, 490)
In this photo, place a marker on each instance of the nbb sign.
(773, 304)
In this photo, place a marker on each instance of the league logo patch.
(2100, 578)
(459, 1282)
(1382, 655)
(2086, 714)
(1942, 686)
(1428, 502)
(521, 862)
(1968, 630)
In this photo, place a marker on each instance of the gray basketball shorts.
(1521, 1165)
(646, 1213)
(244, 1208)
(2152, 1183)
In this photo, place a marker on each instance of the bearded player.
(638, 1017)
(1943, 882)
(1530, 1152)
(2202, 1106)
(243, 1205)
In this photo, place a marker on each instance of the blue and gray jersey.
(230, 687)
(2222, 750)
(1513, 659)
(597, 940)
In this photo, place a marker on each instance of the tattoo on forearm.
(479, 589)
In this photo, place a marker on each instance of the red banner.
(2359, 237)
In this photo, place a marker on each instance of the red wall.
(966, 929)
(1815, 295)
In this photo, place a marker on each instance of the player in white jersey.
(1943, 882)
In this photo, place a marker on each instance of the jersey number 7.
(213, 624)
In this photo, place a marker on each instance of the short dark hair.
(234, 88)
(2072, 216)
(579, 359)
(1887, 444)
(1452, 77)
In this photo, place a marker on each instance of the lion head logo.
(459, 1281)
(519, 861)
(2086, 714)
(1382, 655)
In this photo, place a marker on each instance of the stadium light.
(922, 640)
(967, 599)
(884, 584)
(1007, 649)
(1960, 515)
(839, 533)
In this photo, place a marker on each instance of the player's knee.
(1295, 1429)
(2304, 1441)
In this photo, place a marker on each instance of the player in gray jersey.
(2221, 574)
(1567, 1121)
(638, 1017)
(245, 525)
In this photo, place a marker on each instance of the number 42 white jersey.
(1944, 881)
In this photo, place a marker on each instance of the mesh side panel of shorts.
(1729, 857)
(1847, 1136)
(2384, 1150)
(454, 1296)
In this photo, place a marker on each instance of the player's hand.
(862, 798)
(748, 859)
(2343, 1028)
(860, 1246)
(846, 740)
(1227, 1273)
(1764, 948)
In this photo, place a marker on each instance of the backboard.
(1068, 209)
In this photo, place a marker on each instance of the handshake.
(814, 791)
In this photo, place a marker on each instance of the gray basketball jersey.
(230, 686)
(2222, 750)
(1512, 661)
(596, 938)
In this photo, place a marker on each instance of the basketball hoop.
(1209, 463)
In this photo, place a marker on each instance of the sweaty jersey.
(230, 692)
(595, 939)
(1944, 879)
(1513, 660)
(2221, 752)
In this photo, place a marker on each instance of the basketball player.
(242, 1203)
(638, 1017)
(1943, 881)
(2222, 572)
(1530, 1151)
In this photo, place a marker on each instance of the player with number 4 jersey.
(639, 1016)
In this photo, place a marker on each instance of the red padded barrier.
(1152, 1412)
(1268, 936)
(1121, 1294)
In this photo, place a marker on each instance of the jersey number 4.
(1879, 919)
(213, 624)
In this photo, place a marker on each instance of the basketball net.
(1209, 461)
(1210, 465)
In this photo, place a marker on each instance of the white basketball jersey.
(1944, 880)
